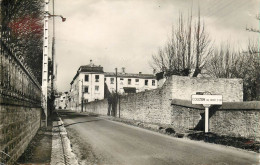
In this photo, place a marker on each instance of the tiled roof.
(129, 75)
(91, 68)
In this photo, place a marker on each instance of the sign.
(206, 99)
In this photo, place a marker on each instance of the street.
(100, 141)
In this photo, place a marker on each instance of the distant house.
(129, 82)
(61, 101)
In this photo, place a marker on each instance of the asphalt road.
(116, 143)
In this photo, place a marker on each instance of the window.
(111, 80)
(86, 89)
(96, 88)
(86, 100)
(145, 82)
(121, 79)
(153, 82)
(96, 78)
(105, 79)
(129, 81)
(86, 78)
(137, 80)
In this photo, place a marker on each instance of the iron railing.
(18, 86)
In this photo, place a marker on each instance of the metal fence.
(18, 86)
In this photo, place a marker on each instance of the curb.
(61, 148)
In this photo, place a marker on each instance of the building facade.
(91, 82)
(87, 85)
(129, 82)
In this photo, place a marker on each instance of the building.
(87, 85)
(129, 82)
(61, 101)
(90, 83)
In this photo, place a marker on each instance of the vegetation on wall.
(23, 19)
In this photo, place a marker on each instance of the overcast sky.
(125, 33)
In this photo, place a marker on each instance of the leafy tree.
(23, 19)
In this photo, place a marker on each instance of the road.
(101, 141)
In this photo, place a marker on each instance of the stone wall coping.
(247, 105)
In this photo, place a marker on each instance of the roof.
(91, 68)
(129, 75)
(88, 68)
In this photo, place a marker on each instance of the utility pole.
(53, 76)
(45, 60)
(116, 80)
(82, 95)
(116, 92)
(45, 77)
(53, 50)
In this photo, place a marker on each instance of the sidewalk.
(50, 146)
(61, 147)
(39, 149)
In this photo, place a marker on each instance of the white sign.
(206, 99)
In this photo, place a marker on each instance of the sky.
(126, 33)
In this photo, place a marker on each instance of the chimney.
(91, 63)
(123, 70)
(154, 71)
(140, 73)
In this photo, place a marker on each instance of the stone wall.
(18, 125)
(239, 119)
(184, 87)
(150, 106)
(160, 106)
(97, 107)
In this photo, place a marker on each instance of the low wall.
(18, 125)
(239, 119)
(97, 107)
(150, 106)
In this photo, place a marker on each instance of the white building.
(90, 83)
(87, 85)
(61, 101)
(130, 82)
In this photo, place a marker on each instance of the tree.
(186, 50)
(253, 29)
(23, 19)
(245, 64)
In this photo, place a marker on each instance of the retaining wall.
(150, 106)
(238, 119)
(160, 106)
(97, 107)
(18, 125)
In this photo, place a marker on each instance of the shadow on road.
(81, 122)
(67, 114)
